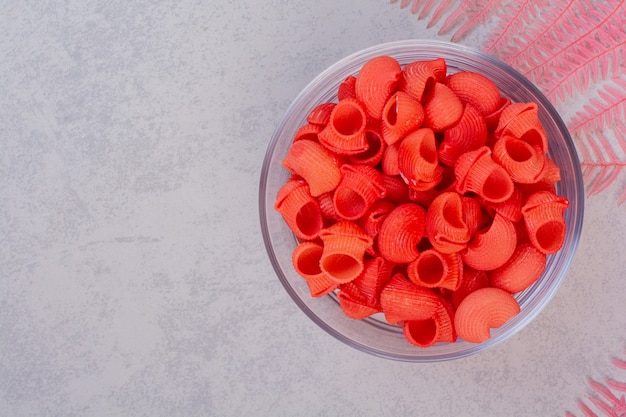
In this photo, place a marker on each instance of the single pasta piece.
(419, 77)
(315, 164)
(438, 328)
(401, 232)
(347, 88)
(477, 172)
(510, 208)
(320, 115)
(521, 120)
(327, 207)
(443, 109)
(468, 134)
(523, 162)
(345, 132)
(426, 197)
(390, 160)
(396, 190)
(359, 188)
(521, 271)
(344, 244)
(375, 82)
(373, 220)
(375, 149)
(475, 89)
(376, 274)
(472, 214)
(445, 226)
(353, 302)
(492, 246)
(306, 261)
(433, 269)
(401, 115)
(493, 118)
(402, 300)
(308, 132)
(417, 160)
(483, 310)
(551, 172)
(299, 209)
(545, 224)
(470, 282)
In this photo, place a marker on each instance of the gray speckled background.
(133, 276)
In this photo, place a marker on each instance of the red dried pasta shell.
(471, 281)
(347, 88)
(545, 224)
(345, 132)
(493, 119)
(401, 115)
(320, 115)
(521, 120)
(375, 149)
(417, 160)
(402, 300)
(376, 81)
(445, 226)
(396, 190)
(359, 188)
(306, 261)
(482, 310)
(390, 160)
(327, 207)
(345, 244)
(419, 77)
(315, 164)
(438, 328)
(353, 303)
(372, 221)
(376, 275)
(468, 134)
(299, 209)
(475, 89)
(307, 132)
(443, 109)
(477, 172)
(521, 271)
(401, 232)
(492, 246)
(523, 162)
(433, 269)
(510, 208)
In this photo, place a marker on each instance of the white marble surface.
(133, 276)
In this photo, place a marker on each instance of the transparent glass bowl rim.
(430, 49)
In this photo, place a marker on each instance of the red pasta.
(396, 190)
(315, 164)
(477, 172)
(510, 208)
(401, 232)
(445, 226)
(345, 244)
(426, 197)
(482, 310)
(521, 271)
(374, 152)
(307, 132)
(417, 160)
(401, 115)
(320, 115)
(491, 246)
(545, 224)
(468, 134)
(443, 109)
(353, 302)
(306, 261)
(376, 82)
(493, 118)
(471, 281)
(347, 88)
(390, 160)
(401, 300)
(475, 89)
(438, 328)
(523, 162)
(419, 78)
(433, 269)
(299, 209)
(521, 120)
(376, 275)
(327, 207)
(345, 132)
(373, 220)
(472, 214)
(359, 188)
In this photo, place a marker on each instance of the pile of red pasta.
(425, 196)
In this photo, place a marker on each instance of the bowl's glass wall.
(373, 335)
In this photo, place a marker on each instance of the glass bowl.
(374, 335)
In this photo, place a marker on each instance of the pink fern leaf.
(476, 15)
(616, 385)
(598, 113)
(586, 410)
(441, 9)
(512, 22)
(619, 363)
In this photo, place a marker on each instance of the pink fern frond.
(596, 112)
(426, 8)
(616, 385)
(604, 391)
(619, 363)
(441, 9)
(586, 410)
(475, 17)
(507, 21)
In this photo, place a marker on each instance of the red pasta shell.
(445, 226)
(327, 207)
(492, 246)
(523, 162)
(521, 271)
(376, 81)
(521, 120)
(402, 300)
(545, 224)
(443, 109)
(315, 164)
(345, 132)
(433, 269)
(419, 77)
(477, 172)
(320, 115)
(306, 261)
(299, 209)
(347, 88)
(471, 281)
(359, 188)
(372, 221)
(493, 119)
(375, 149)
(353, 303)
(345, 244)
(376, 275)
(468, 134)
(510, 208)
(307, 132)
(436, 329)
(396, 190)
(417, 160)
(401, 232)
(390, 160)
(401, 115)
(475, 89)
